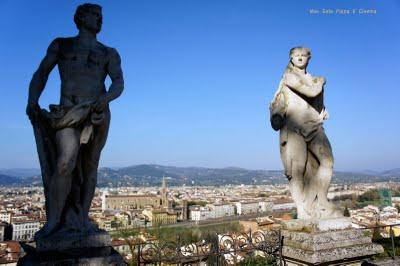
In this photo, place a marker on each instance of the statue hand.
(326, 114)
(100, 104)
(320, 80)
(32, 111)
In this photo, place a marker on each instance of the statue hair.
(290, 66)
(80, 12)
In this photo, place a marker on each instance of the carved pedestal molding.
(326, 242)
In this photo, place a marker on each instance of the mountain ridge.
(151, 175)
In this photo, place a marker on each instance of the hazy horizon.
(196, 166)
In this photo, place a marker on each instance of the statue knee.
(327, 163)
(91, 171)
(65, 167)
(297, 169)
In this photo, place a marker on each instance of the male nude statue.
(298, 111)
(71, 136)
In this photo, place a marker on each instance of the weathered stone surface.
(74, 241)
(69, 138)
(314, 247)
(318, 225)
(298, 111)
(325, 240)
(71, 135)
(83, 257)
(349, 253)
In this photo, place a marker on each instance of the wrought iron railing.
(215, 249)
(240, 248)
(386, 235)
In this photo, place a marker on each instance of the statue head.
(88, 16)
(300, 56)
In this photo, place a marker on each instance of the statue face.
(300, 58)
(92, 20)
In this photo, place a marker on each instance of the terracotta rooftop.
(10, 251)
(131, 196)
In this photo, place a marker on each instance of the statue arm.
(115, 72)
(325, 114)
(41, 75)
(312, 89)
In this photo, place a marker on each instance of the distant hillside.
(20, 172)
(393, 172)
(6, 180)
(151, 175)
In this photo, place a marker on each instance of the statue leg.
(294, 157)
(67, 141)
(321, 149)
(91, 156)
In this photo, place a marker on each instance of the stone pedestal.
(71, 241)
(83, 257)
(326, 242)
(75, 249)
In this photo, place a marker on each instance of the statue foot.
(301, 212)
(329, 210)
(46, 230)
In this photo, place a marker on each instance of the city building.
(121, 246)
(198, 213)
(24, 229)
(249, 207)
(164, 198)
(211, 211)
(159, 216)
(221, 209)
(185, 210)
(131, 202)
(136, 202)
(5, 216)
(2, 230)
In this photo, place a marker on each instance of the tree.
(129, 235)
(370, 195)
(258, 261)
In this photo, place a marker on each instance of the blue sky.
(199, 76)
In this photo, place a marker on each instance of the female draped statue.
(298, 111)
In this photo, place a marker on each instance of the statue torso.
(303, 114)
(83, 69)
